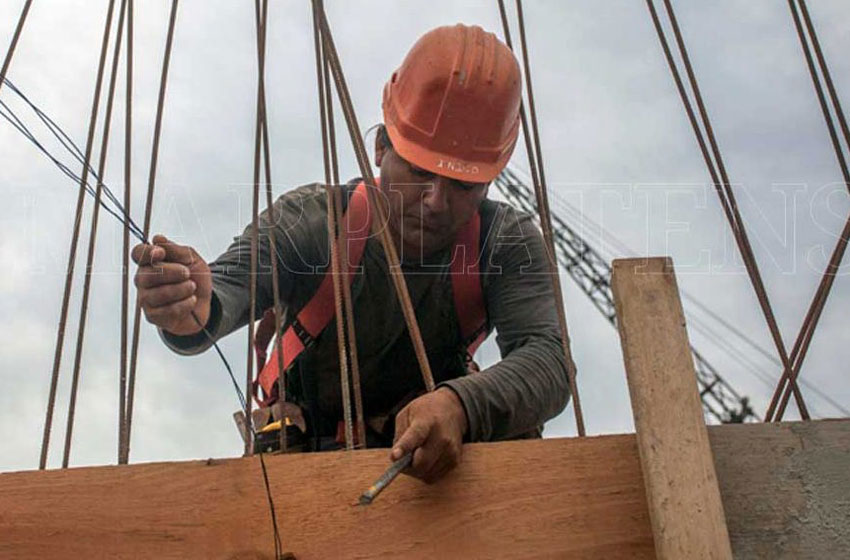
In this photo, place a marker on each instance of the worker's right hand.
(172, 281)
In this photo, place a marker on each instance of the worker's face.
(426, 209)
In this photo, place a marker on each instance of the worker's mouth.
(426, 226)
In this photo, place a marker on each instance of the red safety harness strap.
(466, 286)
(317, 314)
(314, 316)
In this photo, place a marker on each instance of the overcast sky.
(617, 147)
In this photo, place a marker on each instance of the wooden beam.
(678, 469)
(785, 489)
(544, 498)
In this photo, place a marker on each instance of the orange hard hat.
(452, 107)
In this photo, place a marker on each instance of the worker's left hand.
(432, 427)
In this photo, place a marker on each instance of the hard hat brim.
(443, 164)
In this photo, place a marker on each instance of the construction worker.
(451, 120)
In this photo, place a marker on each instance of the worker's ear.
(380, 146)
(380, 150)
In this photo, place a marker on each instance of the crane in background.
(592, 273)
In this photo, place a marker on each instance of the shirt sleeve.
(299, 246)
(529, 385)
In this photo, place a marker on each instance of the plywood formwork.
(784, 486)
(514, 499)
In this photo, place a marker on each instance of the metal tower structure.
(592, 273)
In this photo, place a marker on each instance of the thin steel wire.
(72, 254)
(101, 170)
(278, 547)
(13, 119)
(160, 106)
(375, 202)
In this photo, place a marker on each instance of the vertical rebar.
(15, 36)
(75, 236)
(125, 270)
(540, 190)
(160, 107)
(376, 203)
(101, 172)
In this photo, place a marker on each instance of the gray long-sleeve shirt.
(509, 399)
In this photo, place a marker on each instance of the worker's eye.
(464, 186)
(419, 172)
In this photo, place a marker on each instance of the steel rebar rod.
(535, 160)
(160, 108)
(75, 236)
(101, 171)
(376, 203)
(813, 314)
(125, 269)
(7, 61)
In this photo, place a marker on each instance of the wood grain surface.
(785, 488)
(580, 498)
(678, 469)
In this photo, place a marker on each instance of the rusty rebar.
(376, 203)
(335, 272)
(270, 209)
(101, 172)
(14, 43)
(75, 236)
(160, 106)
(349, 323)
(125, 270)
(818, 302)
(720, 179)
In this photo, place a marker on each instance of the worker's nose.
(436, 197)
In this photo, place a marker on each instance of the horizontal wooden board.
(546, 498)
(785, 489)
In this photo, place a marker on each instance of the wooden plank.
(528, 499)
(678, 470)
(785, 488)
